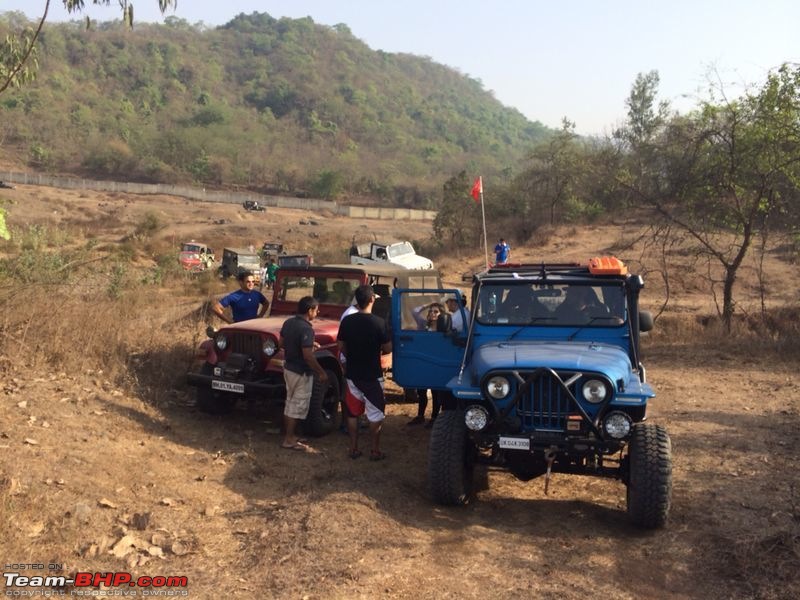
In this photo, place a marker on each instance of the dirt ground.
(100, 472)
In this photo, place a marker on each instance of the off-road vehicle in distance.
(239, 260)
(253, 205)
(546, 379)
(271, 250)
(398, 253)
(241, 360)
(196, 256)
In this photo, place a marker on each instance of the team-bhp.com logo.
(119, 584)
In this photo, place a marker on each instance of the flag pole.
(477, 194)
(483, 218)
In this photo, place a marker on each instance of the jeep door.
(422, 358)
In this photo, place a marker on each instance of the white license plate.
(227, 386)
(510, 443)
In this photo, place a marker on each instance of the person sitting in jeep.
(580, 305)
(521, 306)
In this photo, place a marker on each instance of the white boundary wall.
(203, 195)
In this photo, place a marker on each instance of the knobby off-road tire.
(451, 462)
(324, 407)
(650, 476)
(212, 401)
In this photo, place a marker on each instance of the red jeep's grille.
(248, 344)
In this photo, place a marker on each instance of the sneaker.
(418, 420)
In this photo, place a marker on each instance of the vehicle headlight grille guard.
(528, 379)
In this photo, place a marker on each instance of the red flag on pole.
(477, 189)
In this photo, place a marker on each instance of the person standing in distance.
(244, 302)
(300, 364)
(502, 251)
(272, 273)
(362, 338)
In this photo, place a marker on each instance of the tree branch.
(31, 46)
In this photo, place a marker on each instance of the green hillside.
(273, 105)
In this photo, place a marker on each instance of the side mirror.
(645, 320)
(210, 331)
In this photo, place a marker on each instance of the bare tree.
(720, 173)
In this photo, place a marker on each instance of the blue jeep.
(545, 377)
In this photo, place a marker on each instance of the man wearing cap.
(452, 304)
(362, 338)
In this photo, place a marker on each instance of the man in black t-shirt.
(300, 364)
(362, 338)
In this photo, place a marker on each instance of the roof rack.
(599, 265)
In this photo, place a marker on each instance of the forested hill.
(274, 105)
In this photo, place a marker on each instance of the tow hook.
(549, 457)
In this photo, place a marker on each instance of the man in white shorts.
(362, 338)
(300, 364)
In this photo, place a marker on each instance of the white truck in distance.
(398, 253)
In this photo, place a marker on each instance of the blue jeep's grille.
(546, 405)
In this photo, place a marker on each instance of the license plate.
(227, 386)
(511, 443)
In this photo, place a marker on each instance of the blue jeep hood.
(570, 356)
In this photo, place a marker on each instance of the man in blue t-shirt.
(501, 251)
(244, 302)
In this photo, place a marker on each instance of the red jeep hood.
(325, 330)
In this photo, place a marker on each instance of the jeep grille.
(546, 405)
(248, 344)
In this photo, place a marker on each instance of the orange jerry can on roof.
(607, 265)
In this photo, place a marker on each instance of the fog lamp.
(476, 418)
(617, 425)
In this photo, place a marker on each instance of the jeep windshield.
(196, 248)
(561, 304)
(400, 249)
(250, 262)
(336, 290)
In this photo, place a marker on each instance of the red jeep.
(240, 360)
(195, 256)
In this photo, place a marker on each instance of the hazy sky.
(573, 58)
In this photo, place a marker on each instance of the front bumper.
(267, 389)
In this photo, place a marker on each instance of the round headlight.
(617, 425)
(221, 342)
(498, 387)
(594, 391)
(476, 418)
(270, 347)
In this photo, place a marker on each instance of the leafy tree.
(550, 182)
(645, 119)
(458, 221)
(328, 184)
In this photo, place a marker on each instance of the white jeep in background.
(398, 253)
